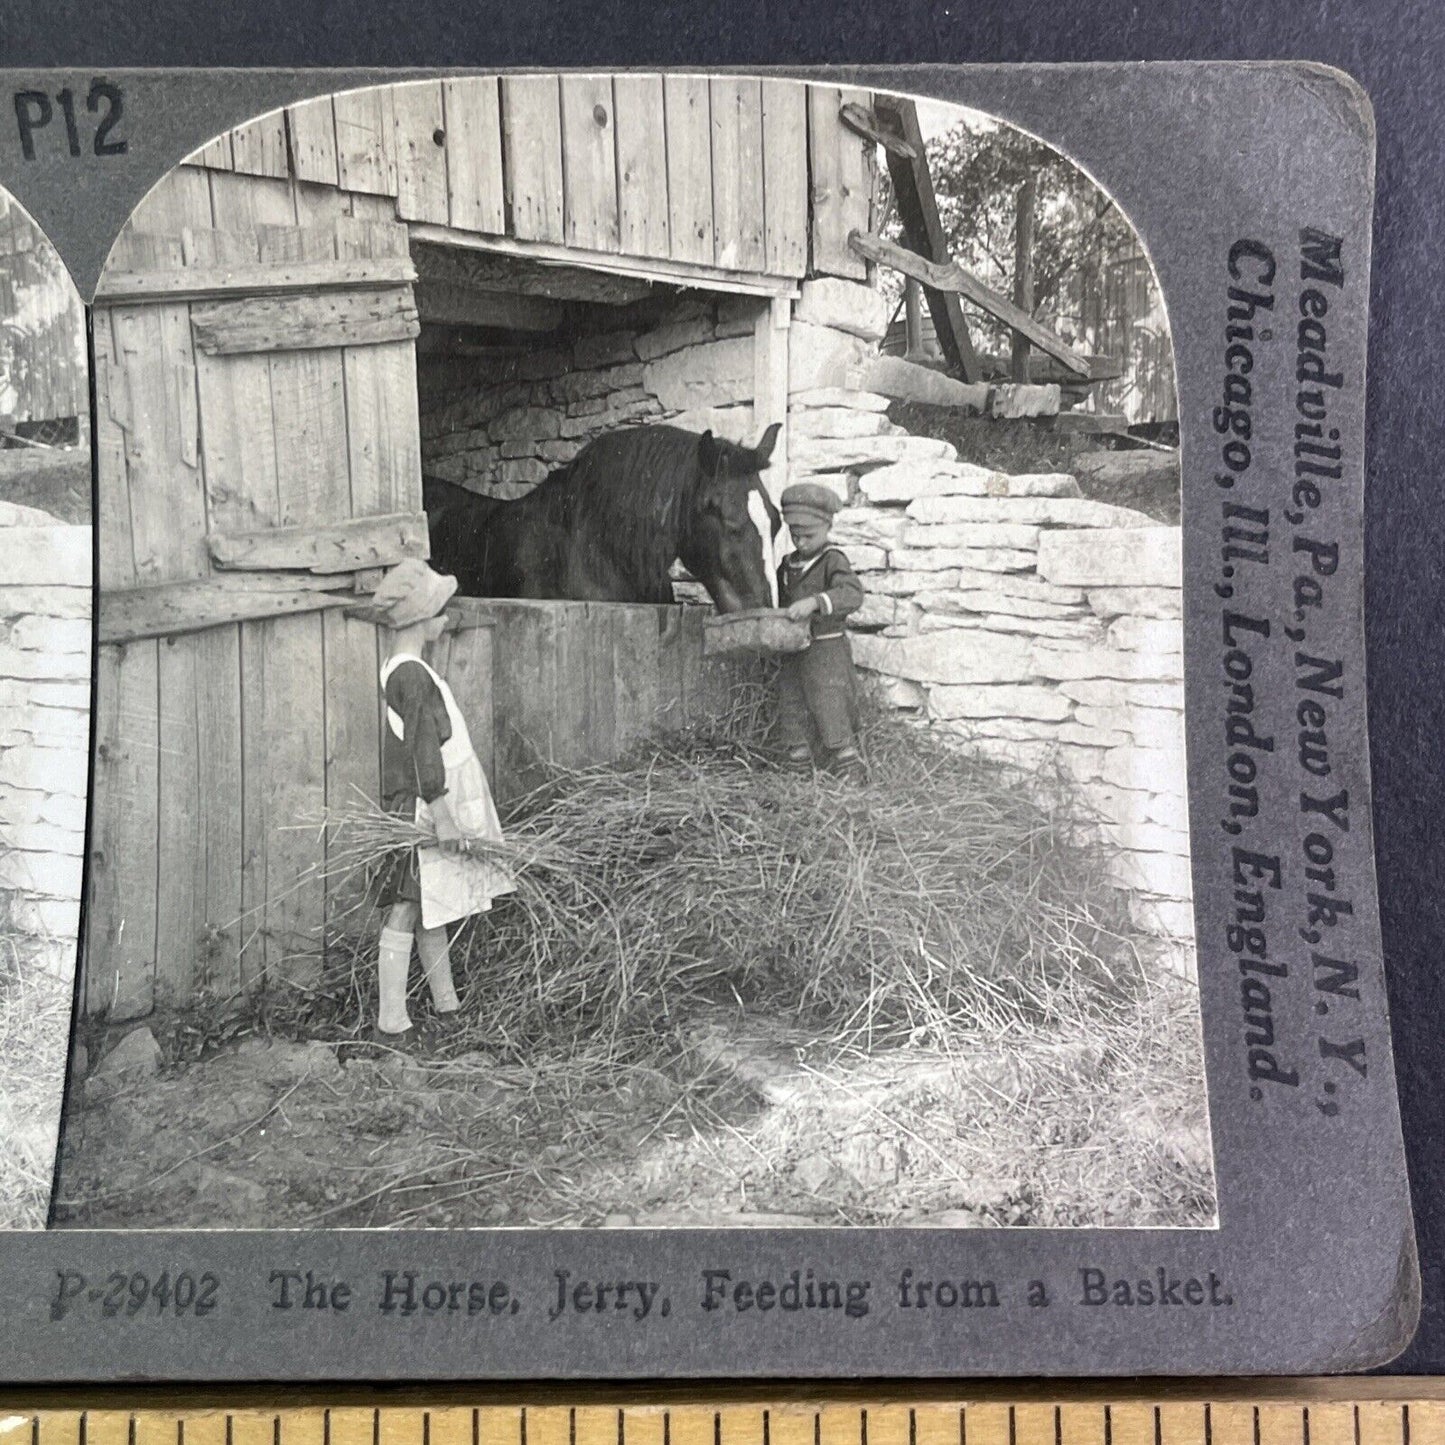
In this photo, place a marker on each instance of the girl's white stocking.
(393, 963)
(436, 959)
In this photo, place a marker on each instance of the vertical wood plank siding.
(589, 163)
(576, 683)
(532, 136)
(214, 749)
(643, 228)
(712, 172)
(475, 200)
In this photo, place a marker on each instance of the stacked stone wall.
(1026, 622)
(523, 417)
(45, 656)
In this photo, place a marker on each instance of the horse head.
(729, 546)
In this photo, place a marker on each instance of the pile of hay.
(34, 1037)
(940, 895)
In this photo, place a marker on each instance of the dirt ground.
(751, 1129)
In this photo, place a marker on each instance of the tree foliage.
(977, 170)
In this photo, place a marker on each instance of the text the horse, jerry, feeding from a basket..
(608, 526)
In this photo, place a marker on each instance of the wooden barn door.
(258, 448)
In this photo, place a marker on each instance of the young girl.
(431, 773)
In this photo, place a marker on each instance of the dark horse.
(608, 526)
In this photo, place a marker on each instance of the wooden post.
(771, 333)
(1024, 272)
(912, 319)
(918, 211)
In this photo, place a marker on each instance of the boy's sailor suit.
(818, 683)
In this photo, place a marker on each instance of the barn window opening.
(520, 364)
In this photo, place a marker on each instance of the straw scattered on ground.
(34, 1032)
(722, 993)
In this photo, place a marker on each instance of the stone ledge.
(52, 875)
(1037, 511)
(840, 305)
(51, 555)
(1134, 557)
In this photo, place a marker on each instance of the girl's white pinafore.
(453, 885)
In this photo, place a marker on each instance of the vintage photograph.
(45, 607)
(639, 677)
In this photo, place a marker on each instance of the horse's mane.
(635, 489)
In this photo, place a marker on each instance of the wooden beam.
(639, 268)
(480, 271)
(1023, 271)
(305, 322)
(340, 547)
(923, 228)
(199, 282)
(453, 305)
(952, 278)
(862, 122)
(172, 609)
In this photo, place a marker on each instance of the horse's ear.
(764, 449)
(707, 452)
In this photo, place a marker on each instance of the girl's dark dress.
(411, 768)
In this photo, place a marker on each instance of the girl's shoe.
(400, 1042)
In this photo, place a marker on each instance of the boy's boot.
(799, 757)
(436, 961)
(847, 762)
(393, 963)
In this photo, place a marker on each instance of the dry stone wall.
(1034, 626)
(503, 430)
(45, 652)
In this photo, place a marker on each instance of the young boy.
(817, 685)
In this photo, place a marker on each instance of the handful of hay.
(938, 896)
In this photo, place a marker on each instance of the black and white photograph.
(639, 677)
(45, 609)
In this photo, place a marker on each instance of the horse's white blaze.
(758, 511)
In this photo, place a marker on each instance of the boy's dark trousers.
(817, 685)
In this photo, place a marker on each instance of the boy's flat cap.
(810, 497)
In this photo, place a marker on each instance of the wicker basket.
(760, 631)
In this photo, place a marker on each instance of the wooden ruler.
(1297, 1412)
